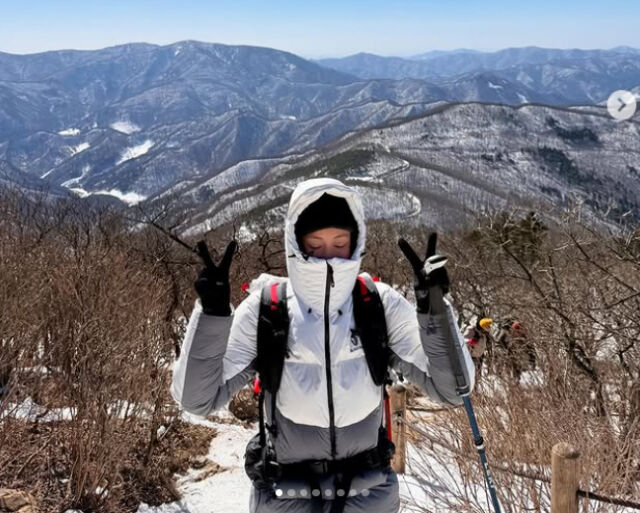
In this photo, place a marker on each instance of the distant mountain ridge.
(135, 120)
(578, 76)
(442, 169)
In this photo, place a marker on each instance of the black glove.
(212, 284)
(428, 273)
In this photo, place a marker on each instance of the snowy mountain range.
(200, 122)
(544, 75)
(443, 168)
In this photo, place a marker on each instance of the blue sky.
(321, 29)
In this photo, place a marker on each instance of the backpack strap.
(371, 326)
(272, 346)
(273, 331)
(273, 335)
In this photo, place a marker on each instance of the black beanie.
(327, 212)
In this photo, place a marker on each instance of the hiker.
(520, 352)
(322, 449)
(477, 338)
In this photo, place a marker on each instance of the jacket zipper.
(327, 358)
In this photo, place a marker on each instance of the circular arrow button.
(621, 105)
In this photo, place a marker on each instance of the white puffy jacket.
(327, 405)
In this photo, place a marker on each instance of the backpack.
(272, 341)
(273, 331)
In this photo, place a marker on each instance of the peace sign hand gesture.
(429, 272)
(212, 284)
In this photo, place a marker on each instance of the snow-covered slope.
(444, 167)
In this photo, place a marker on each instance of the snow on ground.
(388, 203)
(77, 149)
(135, 151)
(368, 179)
(227, 491)
(433, 492)
(533, 378)
(77, 179)
(417, 206)
(30, 411)
(429, 484)
(523, 98)
(245, 235)
(79, 191)
(174, 507)
(125, 127)
(130, 198)
(494, 86)
(69, 132)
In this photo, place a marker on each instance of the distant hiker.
(477, 336)
(322, 340)
(520, 352)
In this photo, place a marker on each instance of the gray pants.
(383, 497)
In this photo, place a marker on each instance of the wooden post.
(565, 462)
(398, 400)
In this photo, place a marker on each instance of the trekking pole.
(462, 389)
(437, 306)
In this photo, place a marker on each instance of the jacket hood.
(308, 274)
